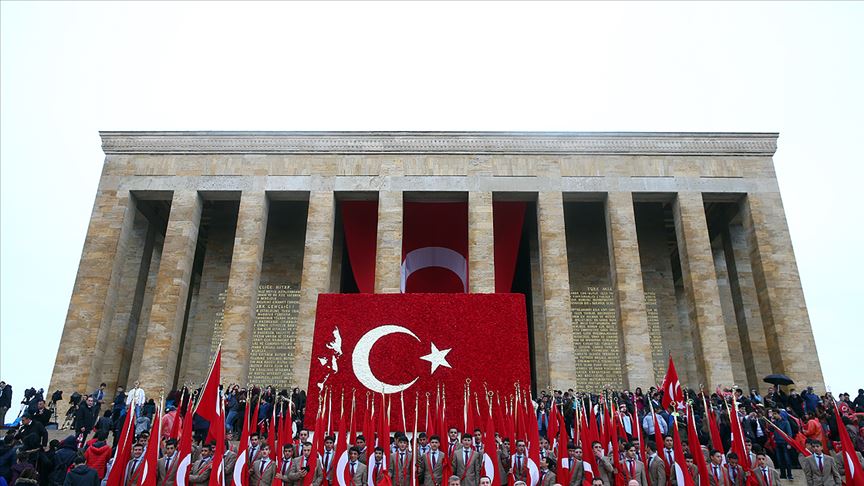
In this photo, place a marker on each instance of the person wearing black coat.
(81, 474)
(85, 417)
(32, 434)
(63, 458)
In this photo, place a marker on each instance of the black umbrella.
(778, 379)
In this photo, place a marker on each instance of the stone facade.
(623, 264)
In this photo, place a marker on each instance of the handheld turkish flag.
(387, 343)
(564, 472)
(696, 447)
(342, 473)
(210, 409)
(490, 447)
(435, 247)
(713, 429)
(671, 387)
(682, 472)
(241, 467)
(124, 449)
(854, 475)
(148, 468)
(738, 446)
(184, 450)
(589, 463)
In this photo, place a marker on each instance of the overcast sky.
(70, 70)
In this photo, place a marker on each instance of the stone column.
(94, 293)
(701, 291)
(556, 289)
(625, 269)
(388, 254)
(788, 334)
(161, 347)
(315, 279)
(749, 318)
(239, 313)
(481, 243)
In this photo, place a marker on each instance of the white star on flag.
(437, 357)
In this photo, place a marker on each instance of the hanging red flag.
(587, 439)
(696, 447)
(340, 458)
(713, 428)
(490, 447)
(124, 450)
(210, 409)
(854, 475)
(146, 472)
(434, 247)
(681, 470)
(671, 387)
(564, 473)
(184, 450)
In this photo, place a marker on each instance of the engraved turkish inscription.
(657, 356)
(595, 334)
(273, 336)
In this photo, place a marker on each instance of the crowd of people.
(769, 422)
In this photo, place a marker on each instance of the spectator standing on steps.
(137, 397)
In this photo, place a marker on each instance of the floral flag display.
(441, 344)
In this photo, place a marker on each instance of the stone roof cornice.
(507, 143)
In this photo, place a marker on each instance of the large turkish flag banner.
(412, 343)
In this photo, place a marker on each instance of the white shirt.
(136, 396)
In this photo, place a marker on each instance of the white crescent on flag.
(182, 468)
(488, 466)
(238, 469)
(533, 473)
(341, 466)
(434, 256)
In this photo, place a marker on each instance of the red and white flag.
(435, 247)
(210, 409)
(416, 343)
(149, 467)
(124, 449)
(671, 387)
(854, 475)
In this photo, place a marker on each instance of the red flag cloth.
(507, 222)
(211, 409)
(738, 446)
(696, 447)
(384, 430)
(368, 424)
(794, 443)
(241, 467)
(587, 439)
(682, 472)
(340, 458)
(416, 342)
(564, 472)
(713, 428)
(658, 439)
(317, 442)
(552, 428)
(184, 451)
(533, 441)
(124, 449)
(434, 247)
(616, 457)
(854, 475)
(360, 223)
(148, 468)
(671, 387)
(490, 447)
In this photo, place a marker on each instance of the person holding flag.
(167, 466)
(134, 466)
(634, 469)
(301, 469)
(200, 473)
(656, 466)
(547, 477)
(575, 465)
(765, 474)
(285, 465)
(355, 471)
(467, 463)
(229, 460)
(262, 471)
(430, 467)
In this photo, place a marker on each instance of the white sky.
(70, 70)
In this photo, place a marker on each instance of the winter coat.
(63, 458)
(81, 475)
(97, 456)
(85, 417)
